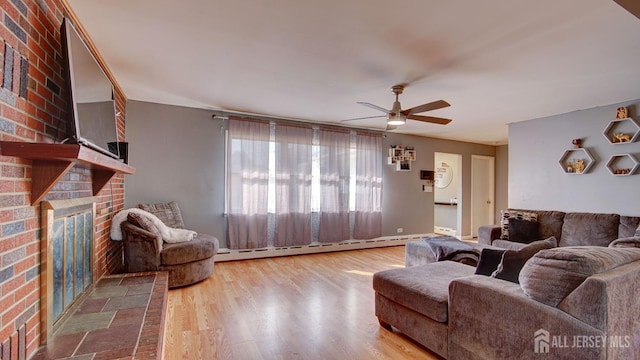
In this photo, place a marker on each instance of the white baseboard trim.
(444, 230)
(231, 255)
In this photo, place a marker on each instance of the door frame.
(492, 187)
(458, 175)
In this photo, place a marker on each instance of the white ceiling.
(495, 61)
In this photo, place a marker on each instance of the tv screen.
(92, 111)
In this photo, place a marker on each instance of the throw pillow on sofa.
(489, 261)
(169, 213)
(142, 222)
(510, 214)
(513, 260)
(523, 231)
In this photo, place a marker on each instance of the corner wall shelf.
(629, 130)
(401, 157)
(50, 162)
(571, 156)
(622, 165)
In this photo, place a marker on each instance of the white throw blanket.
(170, 235)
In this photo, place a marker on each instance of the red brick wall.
(32, 108)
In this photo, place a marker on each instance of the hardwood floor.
(317, 306)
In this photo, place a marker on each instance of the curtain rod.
(226, 114)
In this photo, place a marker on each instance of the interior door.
(482, 192)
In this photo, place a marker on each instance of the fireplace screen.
(71, 259)
(67, 255)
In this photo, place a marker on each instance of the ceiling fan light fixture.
(396, 116)
(396, 119)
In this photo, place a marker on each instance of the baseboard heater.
(246, 254)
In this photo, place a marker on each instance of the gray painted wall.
(403, 202)
(502, 180)
(536, 180)
(178, 154)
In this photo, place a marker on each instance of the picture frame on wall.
(403, 165)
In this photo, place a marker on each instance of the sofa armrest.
(488, 233)
(632, 242)
(141, 248)
(493, 319)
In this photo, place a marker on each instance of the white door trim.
(491, 195)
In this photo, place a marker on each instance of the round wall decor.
(444, 175)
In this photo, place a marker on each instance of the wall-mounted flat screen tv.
(92, 112)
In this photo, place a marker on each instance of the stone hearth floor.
(122, 318)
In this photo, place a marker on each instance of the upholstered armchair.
(144, 249)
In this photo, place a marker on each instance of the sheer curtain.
(248, 179)
(368, 216)
(334, 185)
(293, 145)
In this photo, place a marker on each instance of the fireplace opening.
(66, 257)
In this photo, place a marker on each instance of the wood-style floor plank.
(317, 306)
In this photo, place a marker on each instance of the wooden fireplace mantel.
(52, 161)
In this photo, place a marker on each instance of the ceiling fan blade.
(429, 119)
(363, 118)
(374, 107)
(391, 127)
(426, 107)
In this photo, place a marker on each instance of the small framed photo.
(411, 154)
(403, 165)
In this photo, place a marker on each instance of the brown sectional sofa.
(574, 293)
(570, 229)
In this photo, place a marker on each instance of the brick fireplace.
(33, 100)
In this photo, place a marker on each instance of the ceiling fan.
(397, 116)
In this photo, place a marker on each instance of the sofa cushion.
(512, 214)
(589, 229)
(523, 231)
(203, 246)
(550, 224)
(423, 289)
(489, 261)
(553, 274)
(169, 213)
(513, 260)
(142, 222)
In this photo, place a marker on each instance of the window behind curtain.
(248, 180)
(293, 185)
(293, 163)
(368, 203)
(334, 155)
